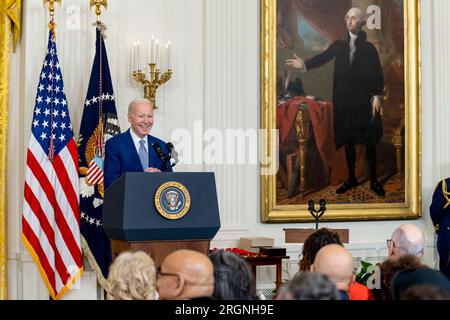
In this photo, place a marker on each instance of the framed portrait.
(340, 84)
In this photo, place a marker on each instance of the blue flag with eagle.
(99, 123)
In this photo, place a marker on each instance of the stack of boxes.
(261, 245)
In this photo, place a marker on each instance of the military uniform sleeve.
(437, 206)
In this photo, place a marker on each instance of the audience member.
(185, 274)
(313, 244)
(388, 269)
(233, 277)
(406, 240)
(310, 286)
(336, 262)
(425, 292)
(412, 278)
(132, 276)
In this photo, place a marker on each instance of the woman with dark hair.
(314, 243)
(233, 278)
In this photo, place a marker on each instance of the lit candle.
(152, 50)
(169, 55)
(157, 53)
(132, 59)
(138, 55)
(135, 57)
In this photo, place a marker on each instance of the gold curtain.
(9, 24)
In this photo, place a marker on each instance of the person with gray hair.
(310, 286)
(406, 240)
(132, 276)
(133, 150)
(357, 96)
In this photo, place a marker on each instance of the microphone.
(159, 152)
(173, 153)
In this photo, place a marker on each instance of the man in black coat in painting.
(357, 95)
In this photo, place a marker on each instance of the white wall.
(216, 81)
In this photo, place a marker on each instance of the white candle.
(169, 55)
(138, 55)
(134, 57)
(152, 50)
(157, 53)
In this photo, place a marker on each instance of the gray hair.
(402, 242)
(132, 276)
(138, 101)
(311, 286)
(357, 13)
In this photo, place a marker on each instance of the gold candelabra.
(156, 80)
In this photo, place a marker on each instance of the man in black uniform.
(440, 215)
(357, 95)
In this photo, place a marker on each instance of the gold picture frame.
(405, 140)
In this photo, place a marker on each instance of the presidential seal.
(172, 200)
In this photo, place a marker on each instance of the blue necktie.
(143, 154)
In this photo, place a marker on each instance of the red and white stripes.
(51, 220)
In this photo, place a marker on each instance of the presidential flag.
(99, 123)
(51, 218)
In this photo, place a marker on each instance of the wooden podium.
(132, 221)
(300, 235)
(158, 250)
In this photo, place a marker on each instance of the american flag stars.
(51, 115)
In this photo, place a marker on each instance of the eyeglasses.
(389, 242)
(159, 273)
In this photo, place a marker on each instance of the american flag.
(51, 219)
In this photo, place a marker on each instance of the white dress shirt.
(353, 38)
(136, 140)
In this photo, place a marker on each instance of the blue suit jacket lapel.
(132, 152)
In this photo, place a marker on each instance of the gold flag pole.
(51, 10)
(98, 4)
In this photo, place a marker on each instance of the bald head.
(337, 263)
(186, 274)
(406, 240)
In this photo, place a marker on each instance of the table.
(255, 261)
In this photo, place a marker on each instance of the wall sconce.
(156, 79)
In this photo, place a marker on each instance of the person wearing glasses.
(406, 240)
(185, 274)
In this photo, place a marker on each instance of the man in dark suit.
(357, 95)
(440, 215)
(132, 151)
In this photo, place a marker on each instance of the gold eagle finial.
(98, 4)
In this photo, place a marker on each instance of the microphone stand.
(317, 214)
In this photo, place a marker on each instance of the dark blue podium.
(161, 212)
